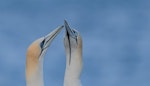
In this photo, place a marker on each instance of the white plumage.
(35, 57)
(73, 48)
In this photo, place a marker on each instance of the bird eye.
(76, 34)
(42, 43)
(74, 31)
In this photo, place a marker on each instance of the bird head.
(36, 51)
(72, 41)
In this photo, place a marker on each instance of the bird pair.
(35, 57)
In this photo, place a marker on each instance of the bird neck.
(35, 77)
(73, 70)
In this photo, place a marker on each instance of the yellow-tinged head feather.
(32, 57)
(35, 56)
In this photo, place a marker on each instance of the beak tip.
(66, 23)
(65, 20)
(62, 26)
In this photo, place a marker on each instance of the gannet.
(35, 57)
(73, 48)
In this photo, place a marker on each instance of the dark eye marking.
(74, 31)
(75, 36)
(42, 44)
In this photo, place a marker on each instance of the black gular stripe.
(69, 48)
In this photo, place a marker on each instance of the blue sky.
(116, 40)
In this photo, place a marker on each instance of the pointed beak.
(49, 38)
(69, 33)
(69, 30)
